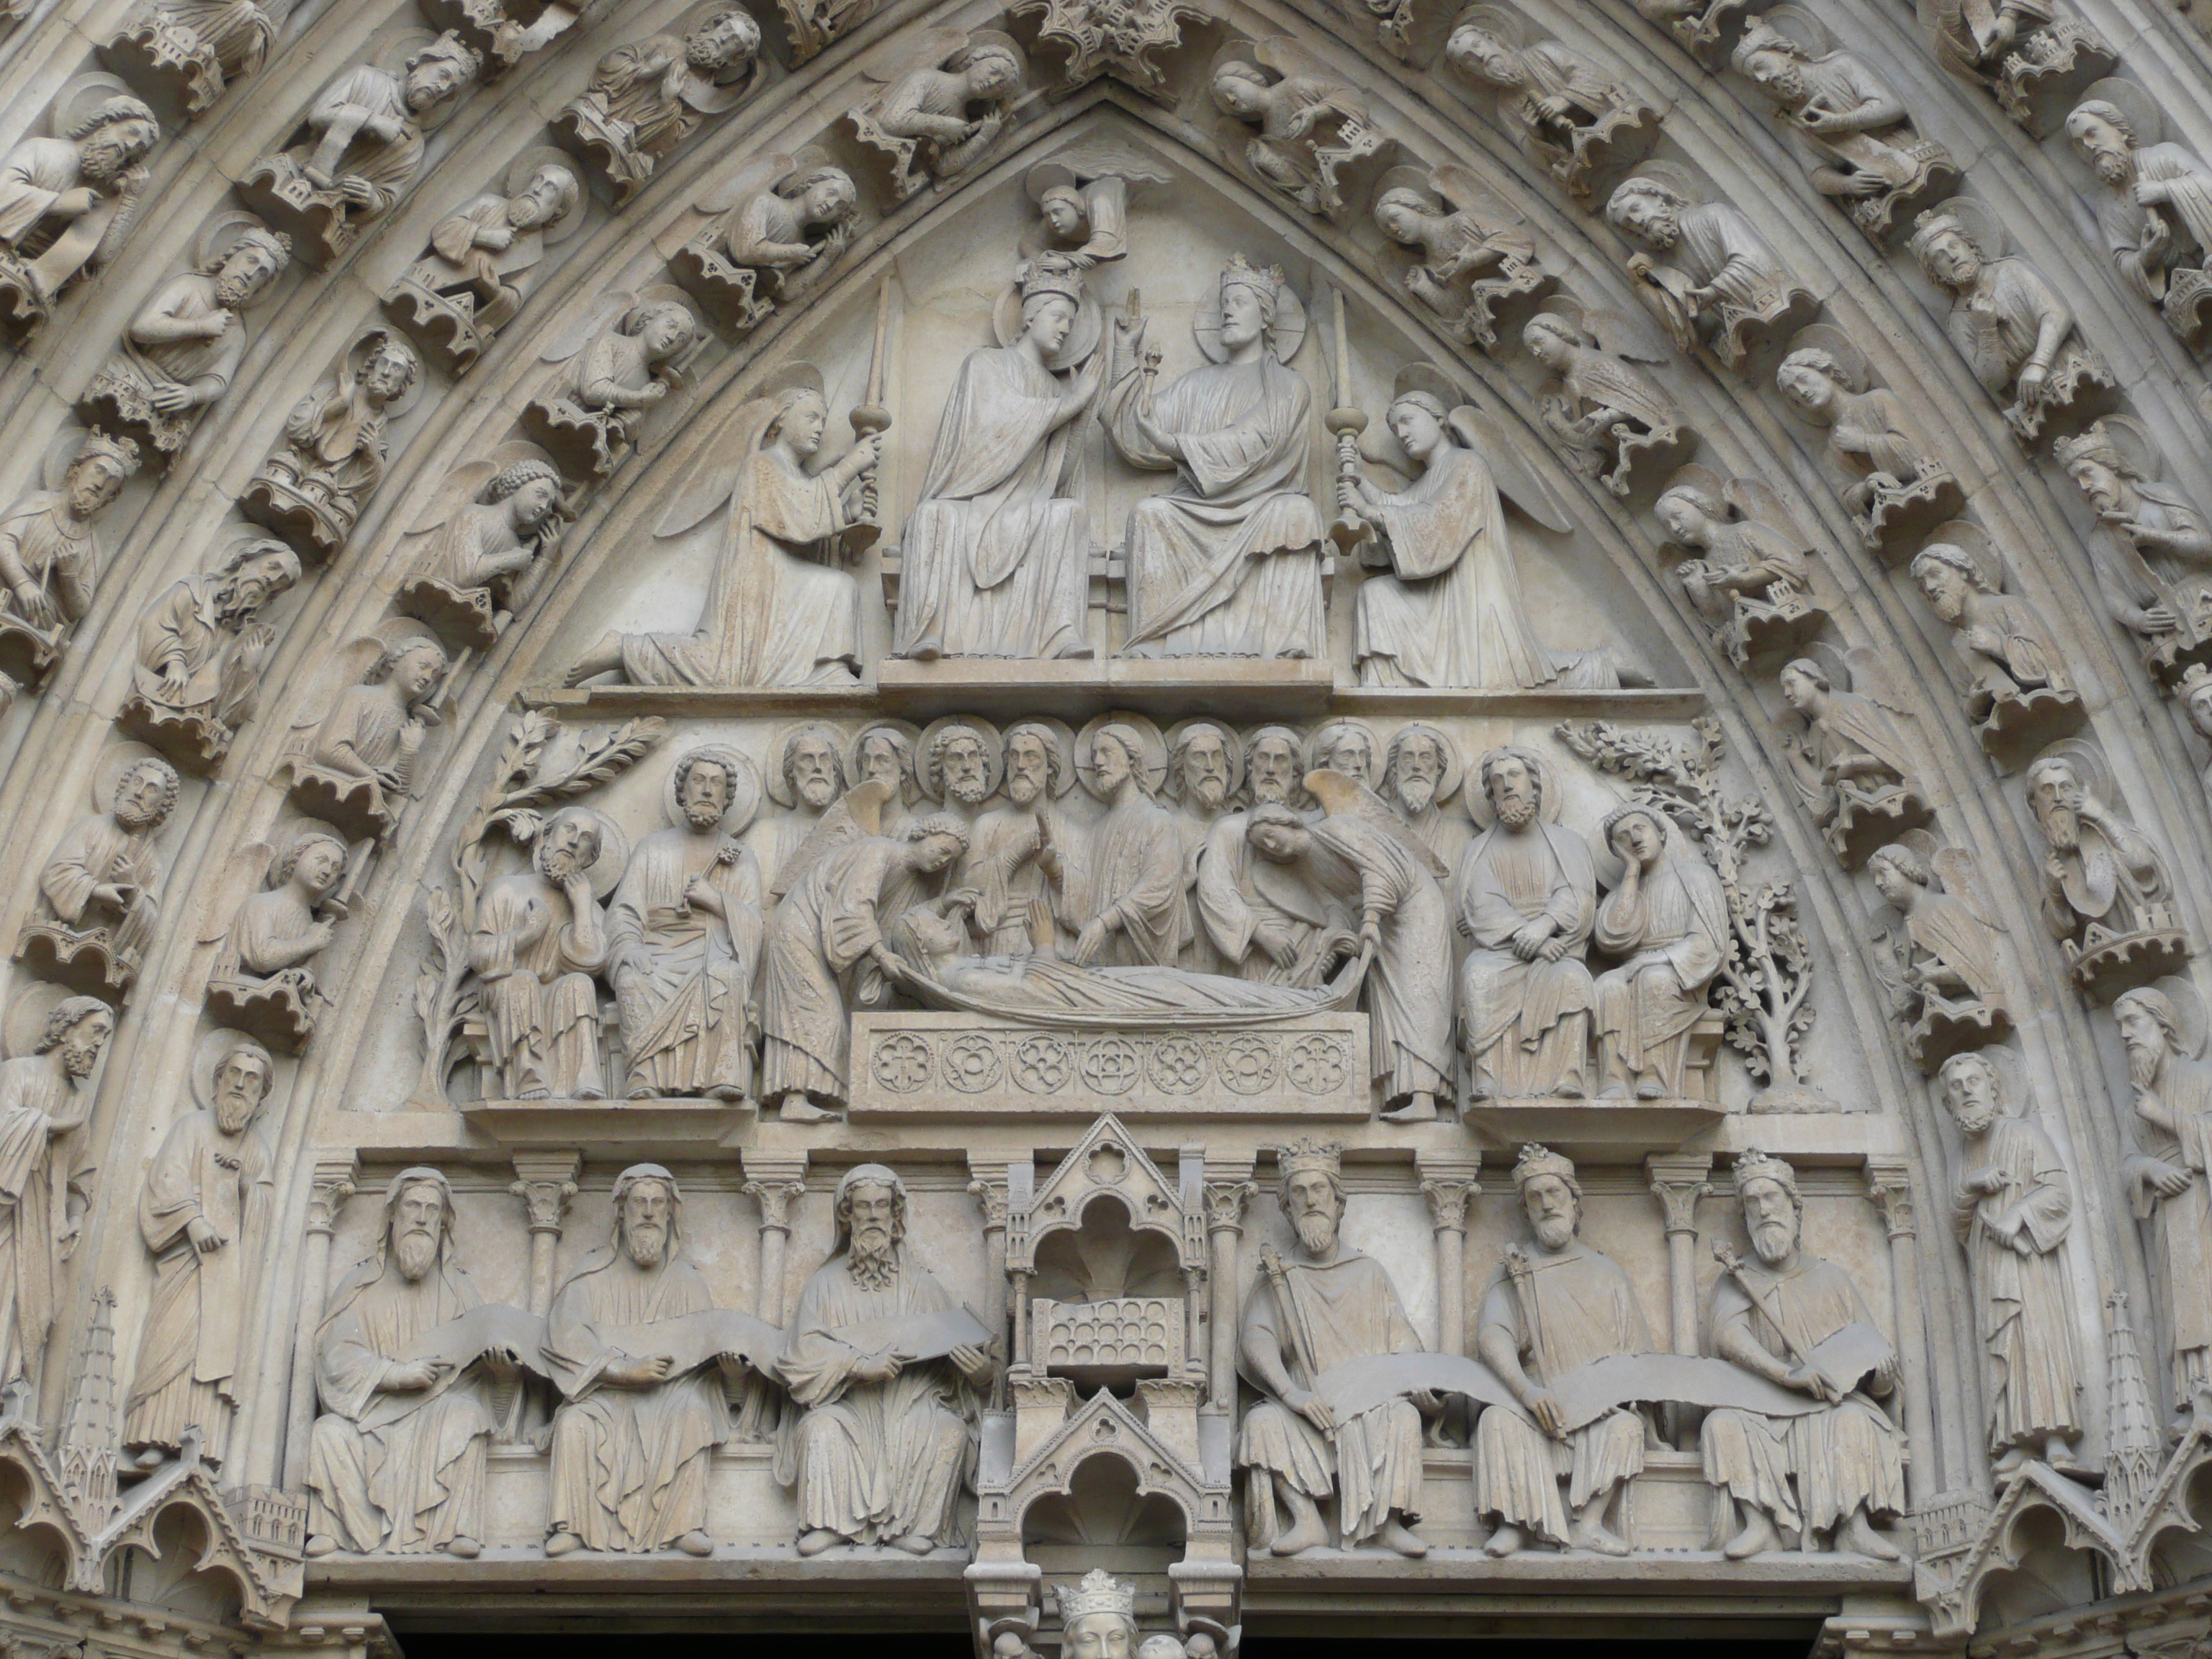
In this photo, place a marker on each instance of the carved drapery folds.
(1568, 111)
(332, 455)
(779, 221)
(484, 257)
(1900, 488)
(648, 96)
(68, 195)
(50, 555)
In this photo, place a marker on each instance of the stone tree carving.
(50, 557)
(1527, 893)
(1900, 488)
(1947, 974)
(1615, 422)
(683, 936)
(780, 223)
(2166, 1178)
(1848, 760)
(1569, 112)
(539, 940)
(492, 529)
(204, 1213)
(484, 257)
(1872, 160)
(1749, 575)
(361, 147)
(2108, 893)
(359, 768)
(1229, 564)
(2014, 330)
(1666, 919)
(1326, 1305)
(1309, 126)
(1722, 284)
(782, 607)
(888, 1372)
(2012, 1208)
(331, 457)
(201, 649)
(397, 1459)
(947, 95)
(2156, 217)
(1405, 929)
(996, 559)
(182, 55)
(1827, 1479)
(1474, 260)
(2150, 553)
(2034, 55)
(1551, 1305)
(646, 98)
(2018, 694)
(261, 983)
(99, 889)
(67, 200)
(645, 1365)
(182, 350)
(622, 358)
(44, 1094)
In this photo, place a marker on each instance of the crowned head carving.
(1098, 1618)
(1766, 1188)
(1551, 1193)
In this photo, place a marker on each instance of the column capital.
(333, 1184)
(1678, 1181)
(1889, 1189)
(775, 1198)
(988, 1186)
(1448, 1197)
(545, 1183)
(1224, 1205)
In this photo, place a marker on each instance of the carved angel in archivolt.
(505, 32)
(1613, 420)
(1082, 195)
(1475, 259)
(1750, 572)
(1723, 283)
(1700, 25)
(1942, 961)
(354, 764)
(648, 97)
(331, 454)
(491, 528)
(947, 95)
(363, 146)
(1872, 159)
(2017, 690)
(261, 983)
(1569, 112)
(485, 256)
(1902, 490)
(2156, 215)
(780, 223)
(1848, 759)
(2153, 548)
(620, 359)
(1310, 125)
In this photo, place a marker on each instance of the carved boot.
(814, 1542)
(562, 1543)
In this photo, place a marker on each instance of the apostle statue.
(2012, 659)
(2149, 565)
(1267, 920)
(1667, 920)
(1826, 1477)
(880, 1447)
(1723, 284)
(2012, 1209)
(202, 647)
(330, 455)
(99, 889)
(825, 942)
(996, 559)
(1205, 771)
(808, 779)
(684, 937)
(204, 1213)
(360, 770)
(397, 1460)
(484, 557)
(781, 609)
(539, 941)
(1528, 897)
(482, 260)
(1326, 1305)
(66, 203)
(260, 980)
(633, 1434)
(2170, 1180)
(183, 349)
(2102, 877)
(1421, 774)
(43, 1095)
(1125, 897)
(1229, 565)
(49, 558)
(1013, 849)
(1549, 1307)
(2156, 215)
(1363, 854)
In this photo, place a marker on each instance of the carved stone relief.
(68, 197)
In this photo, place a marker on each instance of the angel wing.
(606, 310)
(1627, 334)
(1468, 193)
(241, 880)
(753, 176)
(1286, 57)
(1342, 795)
(861, 812)
(1962, 880)
(922, 49)
(1516, 480)
(1104, 158)
(1871, 679)
(714, 476)
(1756, 499)
(1597, 377)
(347, 664)
(460, 487)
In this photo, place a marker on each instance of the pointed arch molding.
(342, 1090)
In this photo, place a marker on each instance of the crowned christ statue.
(1229, 563)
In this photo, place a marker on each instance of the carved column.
(1678, 1181)
(1447, 1181)
(773, 1182)
(1225, 1197)
(989, 1189)
(1889, 1186)
(333, 1185)
(544, 1182)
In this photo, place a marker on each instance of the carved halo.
(1233, 743)
(2089, 766)
(1083, 335)
(1285, 335)
(356, 358)
(114, 761)
(211, 1050)
(744, 786)
(1328, 728)
(84, 95)
(25, 1022)
(1607, 864)
(1852, 365)
(1454, 768)
(606, 870)
(1547, 787)
(524, 166)
(906, 729)
(778, 790)
(994, 755)
(1509, 27)
(2131, 100)
(1151, 765)
(1797, 26)
(1974, 542)
(1982, 228)
(2135, 445)
(714, 97)
(1063, 738)
(2188, 1013)
(54, 463)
